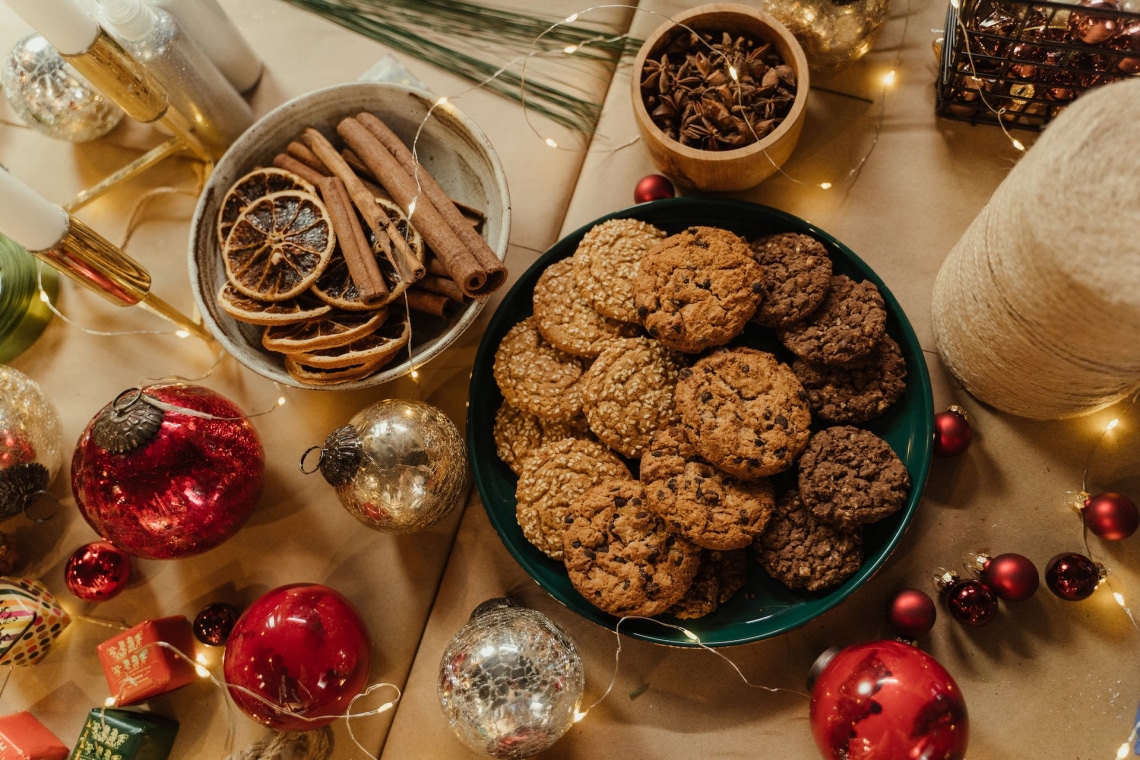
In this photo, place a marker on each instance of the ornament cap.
(960, 411)
(129, 422)
(498, 603)
(944, 579)
(341, 456)
(19, 485)
(821, 662)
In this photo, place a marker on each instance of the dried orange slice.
(381, 346)
(334, 329)
(318, 377)
(256, 184)
(303, 308)
(279, 246)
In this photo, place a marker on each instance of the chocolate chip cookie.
(719, 577)
(797, 276)
(845, 327)
(536, 377)
(551, 479)
(857, 391)
(744, 411)
(698, 289)
(801, 551)
(627, 393)
(849, 476)
(712, 509)
(620, 556)
(518, 433)
(606, 263)
(567, 320)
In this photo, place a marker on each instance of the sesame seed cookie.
(797, 276)
(849, 476)
(845, 327)
(552, 477)
(627, 393)
(517, 433)
(801, 551)
(719, 577)
(744, 411)
(567, 320)
(621, 557)
(607, 261)
(698, 289)
(536, 377)
(857, 391)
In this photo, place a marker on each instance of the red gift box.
(137, 667)
(22, 737)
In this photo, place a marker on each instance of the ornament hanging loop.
(33, 499)
(305, 456)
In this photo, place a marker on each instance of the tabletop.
(1047, 678)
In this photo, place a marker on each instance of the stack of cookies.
(655, 449)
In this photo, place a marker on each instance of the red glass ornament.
(653, 187)
(887, 699)
(214, 623)
(1112, 516)
(971, 602)
(952, 433)
(1072, 576)
(1013, 577)
(304, 649)
(168, 478)
(1091, 27)
(911, 613)
(97, 571)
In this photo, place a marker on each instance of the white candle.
(27, 218)
(62, 22)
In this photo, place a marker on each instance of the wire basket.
(1022, 62)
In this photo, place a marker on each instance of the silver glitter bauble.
(510, 681)
(398, 466)
(833, 33)
(31, 440)
(51, 97)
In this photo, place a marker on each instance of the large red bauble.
(886, 699)
(952, 432)
(171, 476)
(911, 613)
(1112, 516)
(1013, 577)
(97, 571)
(304, 650)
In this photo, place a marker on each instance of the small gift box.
(22, 737)
(137, 666)
(113, 734)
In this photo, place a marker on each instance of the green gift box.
(117, 734)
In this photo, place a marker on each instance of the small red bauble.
(952, 433)
(887, 699)
(654, 187)
(1013, 577)
(214, 623)
(971, 602)
(911, 613)
(96, 572)
(1112, 516)
(1072, 576)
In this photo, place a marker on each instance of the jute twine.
(1036, 310)
(293, 745)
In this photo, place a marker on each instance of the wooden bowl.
(723, 170)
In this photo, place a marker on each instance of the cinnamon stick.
(305, 155)
(288, 163)
(435, 266)
(444, 286)
(496, 271)
(430, 303)
(462, 266)
(354, 246)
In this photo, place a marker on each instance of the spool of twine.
(291, 745)
(1036, 309)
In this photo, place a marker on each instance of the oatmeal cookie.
(744, 411)
(846, 326)
(607, 261)
(797, 276)
(536, 377)
(719, 577)
(802, 552)
(551, 478)
(849, 476)
(517, 433)
(858, 391)
(698, 289)
(567, 320)
(627, 393)
(620, 556)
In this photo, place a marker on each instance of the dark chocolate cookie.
(720, 576)
(797, 276)
(849, 476)
(801, 551)
(858, 391)
(846, 326)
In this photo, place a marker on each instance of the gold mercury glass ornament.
(833, 33)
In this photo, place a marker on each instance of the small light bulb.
(182, 333)
(571, 18)
(1122, 752)
(412, 206)
(689, 634)
(1111, 424)
(1017, 144)
(1119, 597)
(441, 101)
(955, 3)
(201, 671)
(732, 74)
(201, 658)
(551, 143)
(44, 297)
(889, 78)
(578, 715)
(415, 375)
(109, 701)
(825, 185)
(280, 401)
(570, 49)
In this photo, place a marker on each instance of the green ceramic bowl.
(764, 608)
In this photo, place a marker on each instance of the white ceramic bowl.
(450, 146)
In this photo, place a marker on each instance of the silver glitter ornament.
(833, 33)
(398, 466)
(510, 681)
(31, 440)
(51, 97)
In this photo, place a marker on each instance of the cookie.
(627, 393)
(606, 263)
(719, 577)
(858, 391)
(803, 552)
(845, 327)
(621, 557)
(712, 509)
(567, 320)
(697, 289)
(797, 276)
(744, 412)
(849, 476)
(551, 479)
(536, 377)
(517, 433)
